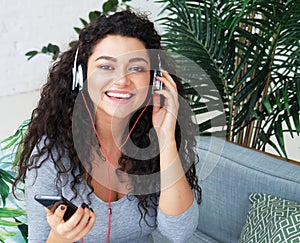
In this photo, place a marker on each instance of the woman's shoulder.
(45, 153)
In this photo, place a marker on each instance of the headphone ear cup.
(79, 77)
(151, 76)
(74, 75)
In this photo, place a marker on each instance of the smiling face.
(118, 76)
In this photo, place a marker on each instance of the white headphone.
(77, 74)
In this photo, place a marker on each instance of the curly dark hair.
(52, 119)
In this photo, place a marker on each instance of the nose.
(123, 78)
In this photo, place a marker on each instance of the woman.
(114, 147)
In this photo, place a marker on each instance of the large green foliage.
(250, 50)
(12, 214)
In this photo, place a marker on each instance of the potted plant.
(250, 50)
(13, 221)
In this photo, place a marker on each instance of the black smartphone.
(157, 85)
(52, 202)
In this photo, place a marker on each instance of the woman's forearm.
(176, 195)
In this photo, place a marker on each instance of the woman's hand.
(176, 195)
(164, 118)
(74, 228)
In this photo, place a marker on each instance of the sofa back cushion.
(228, 173)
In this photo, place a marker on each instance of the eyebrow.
(138, 59)
(135, 59)
(106, 58)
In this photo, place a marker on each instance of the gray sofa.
(228, 173)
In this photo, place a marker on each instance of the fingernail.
(62, 207)
(91, 209)
(83, 205)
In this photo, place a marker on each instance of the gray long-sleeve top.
(126, 223)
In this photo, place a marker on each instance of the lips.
(119, 96)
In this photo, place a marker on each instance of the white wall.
(27, 25)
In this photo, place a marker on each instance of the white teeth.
(119, 95)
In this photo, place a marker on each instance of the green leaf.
(84, 22)
(6, 176)
(286, 118)
(11, 213)
(44, 50)
(6, 140)
(12, 141)
(298, 90)
(23, 229)
(286, 99)
(2, 238)
(4, 234)
(18, 155)
(77, 30)
(296, 115)
(93, 15)
(31, 54)
(279, 136)
(267, 105)
(266, 140)
(9, 223)
(8, 234)
(278, 100)
(110, 5)
(53, 48)
(4, 191)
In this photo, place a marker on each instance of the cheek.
(143, 86)
(94, 86)
(144, 94)
(142, 80)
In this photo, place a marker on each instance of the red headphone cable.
(110, 158)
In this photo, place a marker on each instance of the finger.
(169, 95)
(167, 76)
(48, 211)
(85, 225)
(90, 223)
(156, 102)
(57, 216)
(76, 217)
(169, 79)
(171, 103)
(60, 212)
(84, 219)
(166, 84)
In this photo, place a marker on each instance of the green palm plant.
(251, 51)
(12, 214)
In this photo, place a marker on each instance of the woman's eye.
(137, 69)
(106, 67)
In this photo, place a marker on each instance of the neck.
(110, 131)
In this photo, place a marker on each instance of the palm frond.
(250, 51)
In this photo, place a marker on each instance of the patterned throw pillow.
(271, 219)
